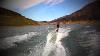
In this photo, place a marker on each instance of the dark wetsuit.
(57, 27)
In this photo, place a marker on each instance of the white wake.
(10, 41)
(54, 45)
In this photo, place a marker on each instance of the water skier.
(57, 27)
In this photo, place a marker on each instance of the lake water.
(70, 40)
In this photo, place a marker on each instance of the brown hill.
(10, 18)
(88, 14)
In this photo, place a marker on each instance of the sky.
(44, 10)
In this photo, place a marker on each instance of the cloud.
(29, 3)
(53, 2)
(24, 4)
(21, 4)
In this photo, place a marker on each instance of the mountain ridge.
(88, 14)
(11, 18)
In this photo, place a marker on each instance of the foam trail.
(54, 45)
(10, 41)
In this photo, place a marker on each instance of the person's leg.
(57, 29)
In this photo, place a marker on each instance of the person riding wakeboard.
(57, 26)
